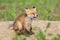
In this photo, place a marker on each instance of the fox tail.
(10, 26)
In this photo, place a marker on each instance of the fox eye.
(33, 13)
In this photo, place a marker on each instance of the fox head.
(31, 13)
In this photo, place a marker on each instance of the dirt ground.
(8, 34)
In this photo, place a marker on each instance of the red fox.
(23, 21)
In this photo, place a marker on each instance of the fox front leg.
(31, 29)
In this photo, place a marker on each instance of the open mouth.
(34, 18)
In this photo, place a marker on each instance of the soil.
(53, 30)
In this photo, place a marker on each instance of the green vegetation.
(56, 38)
(18, 38)
(48, 25)
(42, 35)
(47, 9)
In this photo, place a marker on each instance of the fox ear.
(27, 10)
(33, 6)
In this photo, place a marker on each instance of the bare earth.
(8, 34)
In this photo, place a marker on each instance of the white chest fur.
(28, 20)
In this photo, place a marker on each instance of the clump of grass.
(18, 38)
(56, 38)
(42, 35)
(15, 38)
(8, 15)
(44, 8)
(48, 25)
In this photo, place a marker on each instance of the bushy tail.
(11, 26)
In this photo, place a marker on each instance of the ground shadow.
(26, 33)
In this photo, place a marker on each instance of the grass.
(18, 38)
(42, 35)
(47, 9)
(56, 38)
(48, 25)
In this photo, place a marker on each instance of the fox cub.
(23, 21)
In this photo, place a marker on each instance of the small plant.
(48, 25)
(42, 35)
(56, 38)
(17, 37)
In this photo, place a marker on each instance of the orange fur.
(23, 21)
